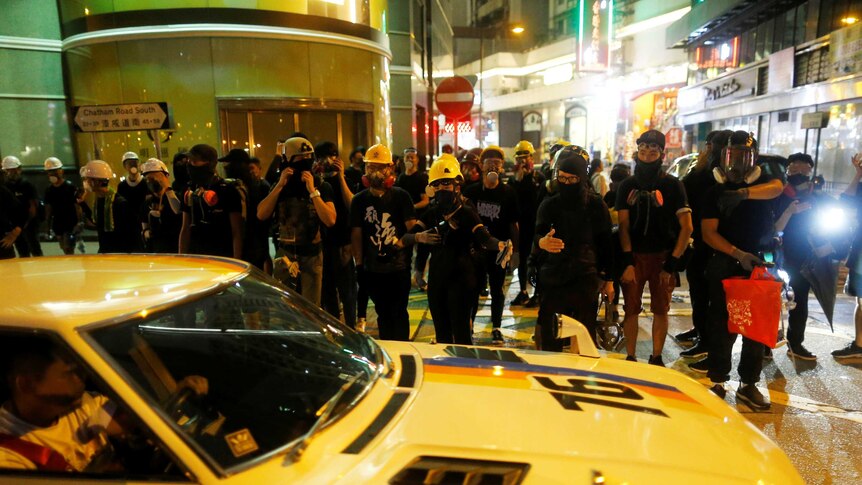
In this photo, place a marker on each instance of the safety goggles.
(649, 146)
(568, 179)
(494, 164)
(442, 183)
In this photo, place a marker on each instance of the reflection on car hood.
(580, 413)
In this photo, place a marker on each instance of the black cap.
(652, 136)
(742, 138)
(236, 155)
(571, 161)
(204, 153)
(800, 157)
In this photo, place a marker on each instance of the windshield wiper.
(323, 414)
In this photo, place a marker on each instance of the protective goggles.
(492, 163)
(568, 179)
(649, 146)
(738, 161)
(442, 183)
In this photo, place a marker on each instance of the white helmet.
(97, 169)
(53, 163)
(154, 165)
(130, 156)
(11, 162)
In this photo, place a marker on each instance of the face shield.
(738, 164)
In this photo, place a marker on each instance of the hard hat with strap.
(445, 167)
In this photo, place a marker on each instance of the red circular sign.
(454, 97)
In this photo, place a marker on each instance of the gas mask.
(446, 200)
(53, 179)
(200, 175)
(737, 166)
(155, 186)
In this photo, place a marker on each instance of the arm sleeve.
(470, 219)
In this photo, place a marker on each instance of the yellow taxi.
(293, 396)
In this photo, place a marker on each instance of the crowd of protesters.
(373, 226)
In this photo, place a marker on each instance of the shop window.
(839, 141)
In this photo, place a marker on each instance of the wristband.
(627, 259)
(314, 194)
(670, 264)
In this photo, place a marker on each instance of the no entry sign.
(454, 97)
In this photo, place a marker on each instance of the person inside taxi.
(49, 420)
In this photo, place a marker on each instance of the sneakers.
(533, 303)
(851, 351)
(360, 325)
(767, 353)
(782, 340)
(419, 282)
(521, 299)
(751, 396)
(697, 351)
(485, 293)
(689, 336)
(656, 360)
(718, 389)
(701, 366)
(800, 352)
(497, 337)
(631, 358)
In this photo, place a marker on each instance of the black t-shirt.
(25, 192)
(295, 216)
(63, 204)
(751, 224)
(454, 259)
(586, 232)
(134, 195)
(354, 179)
(10, 212)
(653, 223)
(383, 221)
(210, 208)
(697, 184)
(497, 207)
(126, 232)
(528, 191)
(414, 185)
(164, 224)
(339, 234)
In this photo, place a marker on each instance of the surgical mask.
(408, 165)
(155, 186)
(200, 175)
(798, 179)
(53, 179)
(446, 200)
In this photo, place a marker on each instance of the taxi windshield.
(271, 360)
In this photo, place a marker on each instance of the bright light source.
(518, 29)
(849, 20)
(724, 52)
(832, 220)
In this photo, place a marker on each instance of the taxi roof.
(64, 292)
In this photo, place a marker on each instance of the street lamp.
(480, 33)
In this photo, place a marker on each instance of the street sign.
(674, 138)
(454, 97)
(122, 117)
(816, 120)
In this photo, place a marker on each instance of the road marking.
(805, 404)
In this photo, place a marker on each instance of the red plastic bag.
(754, 306)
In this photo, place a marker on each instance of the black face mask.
(446, 200)
(798, 179)
(200, 175)
(155, 186)
(647, 173)
(571, 194)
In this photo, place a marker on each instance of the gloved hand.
(292, 266)
(428, 237)
(729, 199)
(747, 260)
(515, 262)
(505, 253)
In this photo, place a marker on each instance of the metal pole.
(96, 152)
(455, 132)
(158, 144)
(817, 152)
(479, 127)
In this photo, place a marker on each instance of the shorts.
(647, 269)
(853, 286)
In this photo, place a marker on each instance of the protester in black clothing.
(379, 217)
(471, 169)
(28, 200)
(112, 218)
(497, 206)
(259, 189)
(237, 170)
(301, 204)
(737, 236)
(353, 174)
(697, 183)
(212, 209)
(181, 173)
(414, 182)
(453, 228)
(655, 226)
(573, 232)
(135, 192)
(528, 183)
(852, 197)
(163, 216)
(619, 172)
(62, 211)
(12, 222)
(339, 271)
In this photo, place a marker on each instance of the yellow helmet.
(379, 153)
(524, 148)
(445, 167)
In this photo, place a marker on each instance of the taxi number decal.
(582, 391)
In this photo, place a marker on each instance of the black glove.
(729, 199)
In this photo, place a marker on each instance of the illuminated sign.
(718, 56)
(593, 30)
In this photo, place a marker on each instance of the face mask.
(133, 170)
(571, 194)
(302, 165)
(155, 186)
(377, 180)
(492, 178)
(53, 179)
(798, 179)
(12, 177)
(647, 172)
(200, 175)
(445, 199)
(408, 165)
